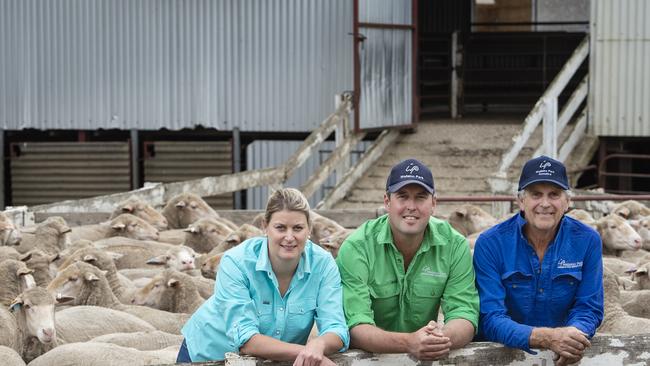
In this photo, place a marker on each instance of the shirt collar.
(385, 236)
(264, 263)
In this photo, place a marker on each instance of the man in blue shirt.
(539, 274)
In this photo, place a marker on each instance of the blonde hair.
(289, 199)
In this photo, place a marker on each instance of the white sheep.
(87, 285)
(641, 276)
(9, 234)
(83, 323)
(143, 341)
(8, 253)
(135, 253)
(233, 239)
(631, 210)
(173, 236)
(636, 303)
(180, 258)
(583, 216)
(42, 264)
(170, 291)
(10, 357)
(124, 225)
(15, 278)
(210, 266)
(51, 236)
(138, 207)
(206, 234)
(105, 354)
(469, 219)
(186, 208)
(29, 328)
(619, 266)
(616, 320)
(617, 235)
(642, 226)
(122, 287)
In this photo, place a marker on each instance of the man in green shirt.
(398, 269)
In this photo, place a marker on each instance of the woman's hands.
(313, 354)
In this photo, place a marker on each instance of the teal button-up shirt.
(247, 301)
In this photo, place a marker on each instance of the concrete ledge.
(604, 351)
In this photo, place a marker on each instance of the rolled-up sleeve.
(329, 306)
(354, 269)
(495, 324)
(587, 311)
(460, 298)
(233, 300)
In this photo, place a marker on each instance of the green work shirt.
(377, 290)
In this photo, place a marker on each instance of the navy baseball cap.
(543, 169)
(409, 171)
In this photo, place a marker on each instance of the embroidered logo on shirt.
(426, 271)
(564, 264)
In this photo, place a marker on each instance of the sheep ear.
(461, 212)
(127, 209)
(60, 299)
(233, 238)
(54, 257)
(17, 303)
(91, 277)
(641, 270)
(119, 227)
(24, 271)
(25, 257)
(173, 282)
(89, 258)
(191, 229)
(180, 204)
(158, 260)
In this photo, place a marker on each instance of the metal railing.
(603, 173)
(546, 110)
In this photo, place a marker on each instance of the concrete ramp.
(461, 154)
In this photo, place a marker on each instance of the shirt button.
(281, 309)
(539, 271)
(277, 332)
(514, 286)
(541, 290)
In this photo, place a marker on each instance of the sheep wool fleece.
(247, 301)
(378, 291)
(519, 293)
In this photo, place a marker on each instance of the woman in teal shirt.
(268, 293)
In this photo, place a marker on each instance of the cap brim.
(542, 180)
(397, 186)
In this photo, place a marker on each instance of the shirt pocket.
(565, 286)
(300, 318)
(425, 299)
(265, 315)
(384, 302)
(519, 293)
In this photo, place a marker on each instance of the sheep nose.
(132, 301)
(48, 332)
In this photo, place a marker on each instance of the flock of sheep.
(119, 292)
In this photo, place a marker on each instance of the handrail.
(546, 109)
(603, 173)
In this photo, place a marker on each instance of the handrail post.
(550, 126)
(340, 134)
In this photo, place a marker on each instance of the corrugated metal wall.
(173, 161)
(44, 172)
(266, 154)
(620, 68)
(147, 64)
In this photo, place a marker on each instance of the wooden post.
(340, 134)
(550, 126)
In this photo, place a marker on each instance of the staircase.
(462, 154)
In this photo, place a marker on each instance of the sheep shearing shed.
(87, 285)
(186, 208)
(125, 225)
(137, 207)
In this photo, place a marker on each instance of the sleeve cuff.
(355, 320)
(239, 336)
(343, 334)
(469, 317)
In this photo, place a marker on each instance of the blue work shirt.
(247, 301)
(518, 293)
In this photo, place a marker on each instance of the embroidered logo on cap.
(544, 169)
